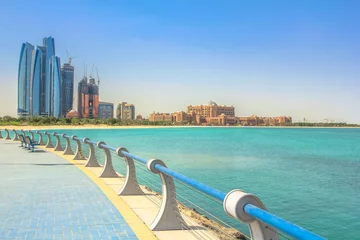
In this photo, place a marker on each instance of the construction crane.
(92, 70)
(69, 58)
(97, 73)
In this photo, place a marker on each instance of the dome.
(212, 103)
(72, 114)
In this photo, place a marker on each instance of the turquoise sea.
(310, 177)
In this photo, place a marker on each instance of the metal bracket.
(32, 135)
(92, 157)
(23, 132)
(131, 185)
(78, 154)
(108, 168)
(41, 141)
(234, 204)
(168, 217)
(67, 150)
(49, 143)
(7, 134)
(16, 137)
(58, 146)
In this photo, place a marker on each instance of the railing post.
(16, 137)
(234, 204)
(49, 143)
(68, 150)
(32, 135)
(78, 153)
(168, 217)
(131, 185)
(7, 134)
(41, 141)
(0, 134)
(92, 157)
(108, 168)
(58, 146)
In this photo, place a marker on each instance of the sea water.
(308, 176)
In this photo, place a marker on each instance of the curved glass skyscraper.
(24, 79)
(49, 44)
(36, 82)
(55, 90)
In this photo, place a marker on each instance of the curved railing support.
(32, 135)
(168, 217)
(234, 204)
(49, 143)
(68, 150)
(131, 185)
(7, 134)
(108, 168)
(1, 134)
(92, 157)
(41, 141)
(78, 154)
(16, 136)
(23, 132)
(58, 146)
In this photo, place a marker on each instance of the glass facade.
(49, 43)
(24, 79)
(67, 73)
(36, 83)
(55, 90)
(43, 110)
(106, 110)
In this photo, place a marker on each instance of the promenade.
(43, 196)
(56, 193)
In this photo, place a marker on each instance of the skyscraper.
(88, 98)
(55, 87)
(67, 73)
(49, 44)
(24, 79)
(39, 80)
(36, 82)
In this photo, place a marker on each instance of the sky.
(268, 58)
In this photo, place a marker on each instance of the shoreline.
(104, 126)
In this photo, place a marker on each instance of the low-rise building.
(106, 110)
(212, 110)
(125, 111)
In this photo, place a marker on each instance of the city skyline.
(300, 62)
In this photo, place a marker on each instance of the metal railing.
(245, 207)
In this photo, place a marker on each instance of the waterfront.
(295, 172)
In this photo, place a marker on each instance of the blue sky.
(269, 58)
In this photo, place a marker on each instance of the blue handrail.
(92, 142)
(280, 224)
(139, 159)
(198, 185)
(108, 147)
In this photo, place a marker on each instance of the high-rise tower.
(24, 79)
(88, 98)
(67, 73)
(49, 44)
(55, 87)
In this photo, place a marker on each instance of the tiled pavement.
(42, 196)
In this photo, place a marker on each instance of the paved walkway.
(42, 196)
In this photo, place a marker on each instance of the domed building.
(72, 114)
